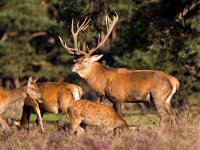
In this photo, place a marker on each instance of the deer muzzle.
(74, 68)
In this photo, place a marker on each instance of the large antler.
(76, 51)
(109, 26)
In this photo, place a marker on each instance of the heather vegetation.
(150, 34)
(143, 137)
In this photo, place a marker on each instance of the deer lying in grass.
(122, 85)
(90, 113)
(96, 114)
(55, 97)
(8, 97)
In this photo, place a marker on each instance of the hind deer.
(55, 97)
(96, 114)
(7, 97)
(121, 85)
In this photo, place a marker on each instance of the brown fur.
(91, 113)
(10, 96)
(56, 97)
(123, 85)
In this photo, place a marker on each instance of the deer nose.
(40, 100)
(74, 68)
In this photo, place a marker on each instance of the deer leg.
(119, 107)
(37, 120)
(107, 130)
(122, 107)
(172, 114)
(75, 126)
(64, 102)
(162, 113)
(75, 121)
(99, 99)
(169, 109)
(102, 99)
(24, 122)
(162, 101)
(4, 123)
(37, 111)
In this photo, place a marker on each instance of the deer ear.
(96, 57)
(35, 80)
(30, 80)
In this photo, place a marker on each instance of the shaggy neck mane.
(97, 78)
(97, 71)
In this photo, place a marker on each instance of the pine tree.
(28, 41)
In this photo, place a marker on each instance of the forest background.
(150, 34)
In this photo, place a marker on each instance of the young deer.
(8, 97)
(92, 113)
(123, 85)
(55, 97)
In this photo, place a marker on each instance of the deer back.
(51, 92)
(93, 113)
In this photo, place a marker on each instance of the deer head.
(84, 63)
(33, 90)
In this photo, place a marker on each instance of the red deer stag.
(122, 85)
(8, 97)
(55, 97)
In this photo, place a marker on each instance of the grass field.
(131, 117)
(147, 136)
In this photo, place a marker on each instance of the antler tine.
(77, 26)
(76, 51)
(108, 20)
(84, 25)
(109, 25)
(72, 26)
(68, 49)
(99, 38)
(88, 48)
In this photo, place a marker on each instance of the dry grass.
(184, 137)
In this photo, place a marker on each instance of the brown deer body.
(123, 85)
(8, 97)
(55, 97)
(92, 113)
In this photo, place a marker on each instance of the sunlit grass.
(147, 136)
(46, 117)
(131, 116)
(137, 117)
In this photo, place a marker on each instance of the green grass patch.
(46, 117)
(138, 117)
(132, 117)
